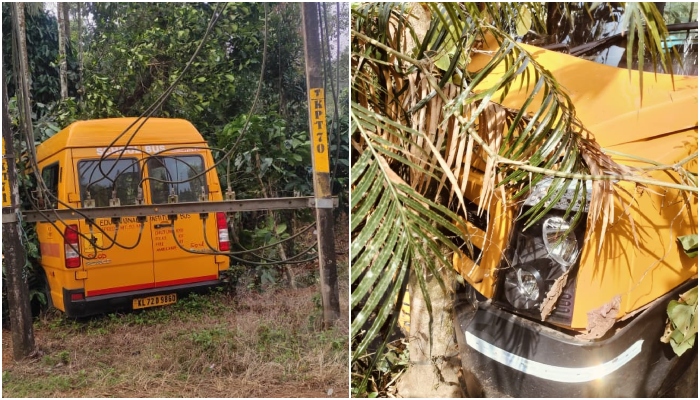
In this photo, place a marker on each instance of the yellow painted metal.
(319, 134)
(189, 232)
(156, 261)
(98, 134)
(6, 194)
(658, 123)
(480, 273)
(115, 269)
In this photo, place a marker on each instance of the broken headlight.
(539, 255)
(559, 240)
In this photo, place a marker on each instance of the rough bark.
(13, 251)
(433, 371)
(24, 79)
(66, 19)
(62, 14)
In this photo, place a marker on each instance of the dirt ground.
(244, 351)
(243, 344)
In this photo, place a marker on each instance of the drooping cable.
(252, 108)
(40, 182)
(177, 242)
(327, 77)
(150, 110)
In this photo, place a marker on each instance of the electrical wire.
(325, 56)
(213, 251)
(223, 253)
(228, 154)
(59, 230)
(45, 192)
(292, 258)
(268, 261)
(40, 182)
(150, 110)
(252, 108)
(204, 216)
(114, 241)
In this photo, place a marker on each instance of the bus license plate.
(155, 301)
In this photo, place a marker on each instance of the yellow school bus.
(107, 264)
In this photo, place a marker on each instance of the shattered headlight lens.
(560, 241)
(524, 287)
(541, 254)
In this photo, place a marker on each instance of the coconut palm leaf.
(426, 109)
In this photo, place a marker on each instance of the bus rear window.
(100, 178)
(177, 175)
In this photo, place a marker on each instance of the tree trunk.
(432, 372)
(12, 248)
(80, 54)
(62, 14)
(24, 79)
(66, 20)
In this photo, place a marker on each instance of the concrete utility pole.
(321, 169)
(13, 252)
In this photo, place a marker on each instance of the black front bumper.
(504, 355)
(124, 301)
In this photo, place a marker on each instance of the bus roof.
(101, 133)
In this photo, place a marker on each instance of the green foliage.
(210, 338)
(271, 157)
(140, 49)
(133, 52)
(52, 384)
(689, 244)
(682, 327)
(42, 53)
(676, 13)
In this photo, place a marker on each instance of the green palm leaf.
(423, 113)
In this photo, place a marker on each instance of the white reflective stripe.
(552, 372)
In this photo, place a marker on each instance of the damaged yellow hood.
(639, 259)
(609, 101)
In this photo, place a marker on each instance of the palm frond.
(427, 115)
(391, 232)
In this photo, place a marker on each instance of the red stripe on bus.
(119, 289)
(130, 288)
(187, 280)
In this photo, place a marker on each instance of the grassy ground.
(251, 344)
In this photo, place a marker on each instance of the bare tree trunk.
(283, 256)
(62, 14)
(12, 248)
(66, 19)
(433, 371)
(80, 54)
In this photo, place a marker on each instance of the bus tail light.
(70, 244)
(224, 244)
